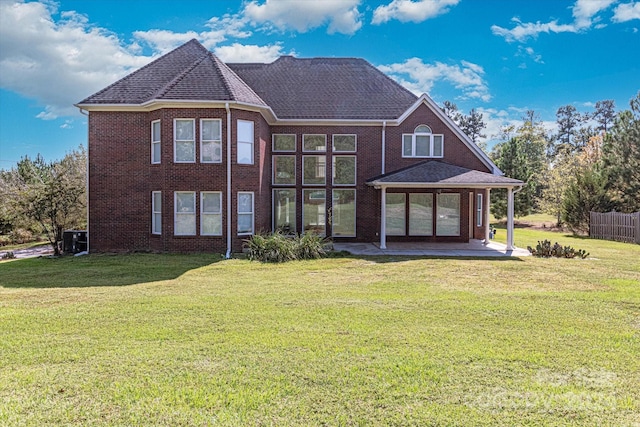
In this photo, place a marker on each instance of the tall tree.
(451, 110)
(569, 120)
(604, 114)
(472, 125)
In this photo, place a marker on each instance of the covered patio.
(475, 248)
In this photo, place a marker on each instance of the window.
(284, 170)
(420, 214)
(313, 170)
(314, 142)
(245, 142)
(156, 212)
(314, 211)
(448, 211)
(479, 209)
(284, 210)
(422, 143)
(184, 140)
(211, 141)
(395, 213)
(185, 213)
(211, 213)
(284, 142)
(344, 170)
(343, 211)
(344, 143)
(155, 142)
(245, 212)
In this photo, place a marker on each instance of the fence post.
(637, 214)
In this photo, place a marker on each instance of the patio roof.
(438, 174)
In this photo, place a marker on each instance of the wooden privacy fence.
(615, 226)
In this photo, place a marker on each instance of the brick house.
(191, 154)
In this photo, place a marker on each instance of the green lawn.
(193, 340)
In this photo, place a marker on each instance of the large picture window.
(314, 211)
(210, 141)
(344, 143)
(245, 142)
(245, 213)
(344, 170)
(156, 212)
(314, 170)
(421, 214)
(343, 213)
(284, 170)
(395, 214)
(422, 143)
(314, 142)
(448, 215)
(211, 213)
(184, 140)
(284, 210)
(155, 142)
(284, 142)
(185, 213)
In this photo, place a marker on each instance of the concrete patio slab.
(475, 248)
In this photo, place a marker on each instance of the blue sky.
(500, 57)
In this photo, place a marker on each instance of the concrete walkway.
(31, 252)
(475, 248)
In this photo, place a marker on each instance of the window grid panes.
(420, 214)
(156, 209)
(395, 214)
(185, 213)
(245, 213)
(314, 170)
(284, 170)
(245, 142)
(448, 215)
(314, 211)
(479, 209)
(314, 142)
(211, 213)
(344, 143)
(211, 141)
(344, 170)
(184, 141)
(343, 213)
(422, 143)
(284, 210)
(155, 142)
(284, 142)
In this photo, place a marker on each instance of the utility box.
(74, 241)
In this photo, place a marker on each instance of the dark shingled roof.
(317, 88)
(441, 173)
(326, 88)
(189, 72)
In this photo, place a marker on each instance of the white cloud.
(58, 62)
(626, 12)
(585, 11)
(342, 16)
(411, 11)
(248, 53)
(420, 77)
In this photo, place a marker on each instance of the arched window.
(422, 143)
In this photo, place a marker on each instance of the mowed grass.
(193, 340)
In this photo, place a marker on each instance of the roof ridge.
(226, 82)
(178, 78)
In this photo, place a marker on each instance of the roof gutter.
(228, 254)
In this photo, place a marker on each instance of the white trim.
(273, 169)
(324, 177)
(203, 214)
(158, 141)
(252, 213)
(479, 210)
(214, 141)
(383, 218)
(378, 185)
(355, 142)
(324, 135)
(383, 158)
(176, 213)
(155, 211)
(333, 170)
(229, 163)
(252, 142)
(273, 142)
(431, 154)
(175, 140)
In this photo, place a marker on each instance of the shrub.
(310, 246)
(544, 249)
(20, 235)
(279, 247)
(8, 255)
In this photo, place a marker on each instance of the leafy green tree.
(585, 194)
(569, 120)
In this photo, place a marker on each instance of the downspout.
(228, 254)
(384, 144)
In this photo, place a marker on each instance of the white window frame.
(322, 215)
(252, 213)
(273, 142)
(324, 172)
(156, 213)
(177, 214)
(273, 169)
(155, 142)
(389, 217)
(355, 143)
(214, 141)
(176, 140)
(336, 214)
(204, 214)
(324, 150)
(439, 214)
(432, 137)
(240, 142)
(355, 171)
(479, 213)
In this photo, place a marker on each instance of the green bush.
(279, 247)
(544, 249)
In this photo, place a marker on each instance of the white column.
(383, 218)
(487, 209)
(510, 215)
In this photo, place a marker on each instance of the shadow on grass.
(99, 270)
(385, 259)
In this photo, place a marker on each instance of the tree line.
(592, 162)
